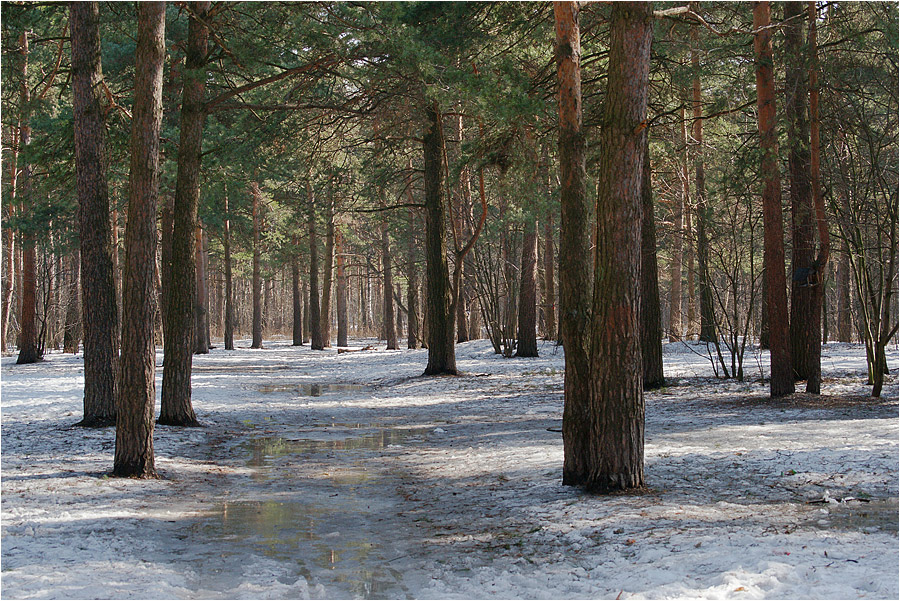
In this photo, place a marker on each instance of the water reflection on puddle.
(312, 389)
(875, 515)
(263, 451)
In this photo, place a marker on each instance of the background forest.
(311, 219)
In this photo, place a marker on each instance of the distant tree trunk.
(72, 333)
(117, 269)
(842, 281)
(463, 220)
(201, 311)
(390, 327)
(412, 284)
(229, 286)
(707, 314)
(617, 441)
(526, 345)
(296, 301)
(549, 284)
(257, 278)
(315, 319)
(440, 322)
(328, 273)
(764, 337)
(341, 291)
(98, 287)
(651, 329)
(305, 294)
(574, 251)
(782, 380)
(176, 408)
(682, 201)
(137, 384)
(167, 218)
(690, 269)
(10, 250)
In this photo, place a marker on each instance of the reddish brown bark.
(98, 288)
(782, 378)
(137, 384)
(176, 408)
(574, 249)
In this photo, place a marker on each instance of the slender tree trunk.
(526, 344)
(201, 311)
(463, 226)
(390, 327)
(305, 294)
(328, 273)
(257, 278)
(72, 334)
(690, 269)
(341, 292)
(137, 384)
(651, 328)
(707, 315)
(296, 301)
(782, 380)
(549, 284)
(229, 285)
(167, 219)
(676, 331)
(617, 418)
(176, 408)
(9, 241)
(441, 323)
(412, 285)
(315, 319)
(574, 251)
(98, 288)
(843, 297)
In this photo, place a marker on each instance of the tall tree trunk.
(167, 219)
(296, 301)
(707, 314)
(176, 408)
(390, 327)
(137, 384)
(574, 250)
(690, 269)
(782, 380)
(651, 328)
(72, 332)
(98, 288)
(676, 331)
(617, 416)
(526, 344)
(805, 304)
(842, 281)
(9, 241)
(201, 311)
(229, 285)
(463, 226)
(257, 278)
(315, 320)
(440, 321)
(305, 293)
(328, 272)
(341, 292)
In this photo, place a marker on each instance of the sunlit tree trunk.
(782, 379)
(682, 201)
(176, 408)
(137, 384)
(98, 288)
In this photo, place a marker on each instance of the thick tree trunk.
(682, 201)
(98, 288)
(341, 291)
(137, 384)
(651, 327)
(296, 301)
(806, 307)
(441, 323)
(201, 311)
(708, 331)
(390, 326)
(328, 273)
(315, 319)
(257, 277)
(617, 441)
(782, 380)
(72, 331)
(176, 408)
(526, 343)
(229, 285)
(574, 250)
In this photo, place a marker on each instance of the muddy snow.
(326, 475)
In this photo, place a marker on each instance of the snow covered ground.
(325, 475)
